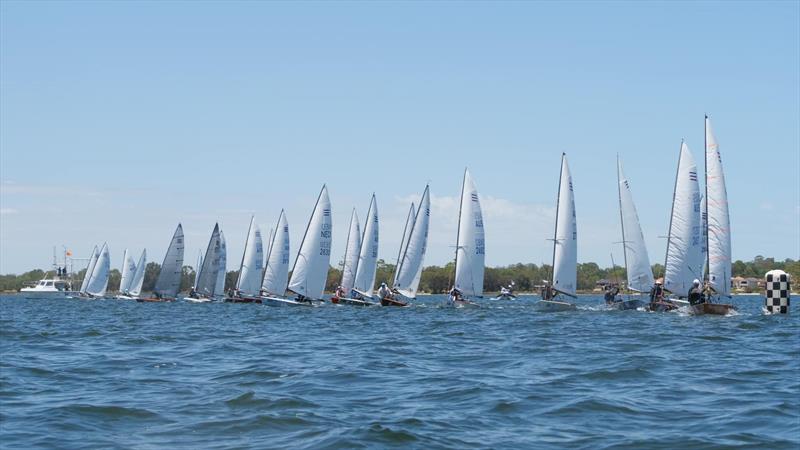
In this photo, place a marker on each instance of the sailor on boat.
(696, 295)
(611, 293)
(547, 291)
(455, 295)
(340, 292)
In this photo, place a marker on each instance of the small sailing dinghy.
(634, 251)
(248, 283)
(131, 287)
(506, 292)
(311, 266)
(565, 249)
(717, 233)
(412, 254)
(208, 279)
(363, 283)
(350, 261)
(683, 261)
(97, 280)
(470, 248)
(89, 269)
(276, 269)
(168, 282)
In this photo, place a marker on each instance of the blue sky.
(117, 120)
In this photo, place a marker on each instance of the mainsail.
(209, 271)
(169, 279)
(412, 216)
(565, 238)
(410, 267)
(197, 268)
(637, 263)
(251, 269)
(719, 222)
(470, 244)
(135, 286)
(276, 272)
(313, 259)
(368, 258)
(219, 286)
(351, 252)
(684, 250)
(128, 269)
(89, 269)
(98, 282)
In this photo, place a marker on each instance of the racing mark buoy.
(777, 288)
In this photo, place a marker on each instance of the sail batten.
(470, 242)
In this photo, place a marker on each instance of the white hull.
(353, 302)
(125, 297)
(197, 300)
(282, 302)
(554, 306)
(461, 304)
(505, 297)
(37, 294)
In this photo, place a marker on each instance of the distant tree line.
(435, 279)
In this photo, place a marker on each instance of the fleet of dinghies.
(697, 260)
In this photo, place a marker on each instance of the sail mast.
(458, 229)
(672, 212)
(622, 223)
(707, 272)
(555, 229)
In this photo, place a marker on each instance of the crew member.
(696, 295)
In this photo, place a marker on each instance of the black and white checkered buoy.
(777, 292)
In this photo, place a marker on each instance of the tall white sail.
(412, 216)
(703, 236)
(249, 281)
(89, 269)
(719, 222)
(565, 239)
(219, 286)
(98, 283)
(128, 269)
(410, 270)
(351, 252)
(197, 268)
(269, 244)
(169, 279)
(637, 263)
(135, 286)
(276, 272)
(310, 270)
(209, 271)
(684, 250)
(470, 243)
(368, 258)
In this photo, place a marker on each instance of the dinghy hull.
(242, 300)
(505, 297)
(554, 306)
(351, 301)
(282, 302)
(661, 306)
(626, 305)
(461, 304)
(717, 309)
(392, 302)
(153, 300)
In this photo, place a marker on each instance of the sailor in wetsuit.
(696, 295)
(455, 295)
(657, 293)
(384, 292)
(547, 291)
(611, 293)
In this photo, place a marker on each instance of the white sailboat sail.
(351, 252)
(412, 216)
(269, 244)
(98, 283)
(719, 222)
(703, 236)
(219, 286)
(637, 263)
(89, 269)
(249, 280)
(470, 243)
(128, 269)
(135, 286)
(276, 272)
(410, 270)
(565, 239)
(368, 258)
(310, 270)
(209, 271)
(169, 278)
(684, 250)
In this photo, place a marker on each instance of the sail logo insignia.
(326, 212)
(627, 186)
(474, 197)
(693, 176)
(570, 185)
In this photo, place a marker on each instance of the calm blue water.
(119, 374)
